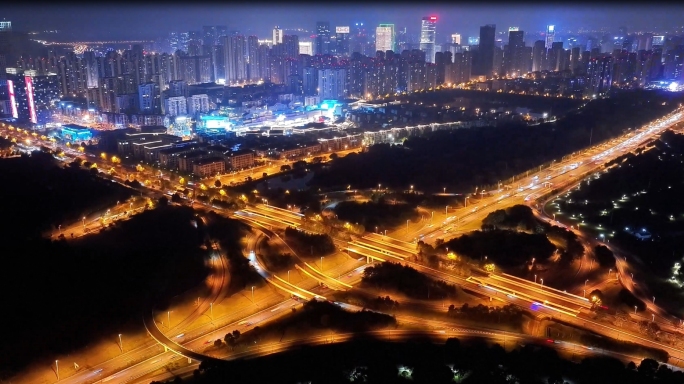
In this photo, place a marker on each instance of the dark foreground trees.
(419, 361)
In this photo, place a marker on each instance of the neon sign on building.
(10, 86)
(29, 94)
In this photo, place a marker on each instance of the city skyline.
(114, 21)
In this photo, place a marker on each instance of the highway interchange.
(547, 301)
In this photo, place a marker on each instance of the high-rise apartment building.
(234, 52)
(277, 35)
(456, 38)
(539, 56)
(332, 83)
(149, 98)
(174, 106)
(427, 37)
(385, 38)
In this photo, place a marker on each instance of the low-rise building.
(134, 143)
(239, 159)
(299, 150)
(186, 160)
(168, 157)
(209, 166)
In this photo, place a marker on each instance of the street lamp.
(120, 343)
(653, 299)
(635, 308)
(57, 368)
(446, 211)
(444, 189)
(433, 217)
(321, 263)
(542, 282)
(288, 276)
(535, 279)
(407, 226)
(211, 311)
(466, 201)
(84, 221)
(168, 318)
(653, 318)
(253, 295)
(585, 283)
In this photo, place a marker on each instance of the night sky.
(115, 21)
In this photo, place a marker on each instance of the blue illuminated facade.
(75, 133)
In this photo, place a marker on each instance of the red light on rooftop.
(433, 17)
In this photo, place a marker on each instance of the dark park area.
(419, 360)
(462, 159)
(637, 207)
(407, 281)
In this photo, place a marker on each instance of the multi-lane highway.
(372, 246)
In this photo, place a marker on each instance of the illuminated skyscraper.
(427, 37)
(322, 38)
(550, 35)
(384, 37)
(515, 63)
(456, 38)
(485, 53)
(32, 94)
(277, 35)
(234, 52)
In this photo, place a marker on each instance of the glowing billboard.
(13, 101)
(342, 29)
(29, 94)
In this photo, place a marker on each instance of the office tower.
(456, 38)
(360, 41)
(485, 53)
(32, 94)
(234, 52)
(515, 63)
(322, 38)
(550, 35)
(427, 37)
(277, 35)
(342, 41)
(599, 73)
(332, 83)
(384, 37)
(149, 98)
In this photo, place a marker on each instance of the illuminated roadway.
(595, 155)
